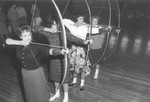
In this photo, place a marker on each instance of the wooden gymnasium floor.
(125, 77)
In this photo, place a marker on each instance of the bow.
(108, 36)
(116, 43)
(65, 43)
(33, 13)
(88, 6)
(101, 7)
(65, 8)
(90, 32)
(41, 71)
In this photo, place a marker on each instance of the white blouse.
(80, 31)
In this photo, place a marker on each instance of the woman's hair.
(96, 17)
(23, 28)
(51, 18)
(79, 15)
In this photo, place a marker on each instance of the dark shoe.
(72, 84)
(81, 88)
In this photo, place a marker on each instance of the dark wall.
(74, 7)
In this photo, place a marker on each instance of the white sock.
(82, 82)
(65, 95)
(74, 80)
(57, 94)
(96, 73)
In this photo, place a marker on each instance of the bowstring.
(116, 43)
(33, 13)
(65, 8)
(105, 44)
(65, 44)
(108, 36)
(87, 8)
(41, 72)
(101, 7)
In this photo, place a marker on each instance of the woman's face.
(94, 21)
(80, 19)
(74, 47)
(26, 36)
(54, 25)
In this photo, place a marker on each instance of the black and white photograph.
(74, 50)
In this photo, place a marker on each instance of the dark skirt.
(34, 85)
(57, 69)
(95, 55)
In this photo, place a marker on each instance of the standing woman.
(97, 36)
(57, 62)
(3, 27)
(54, 37)
(96, 47)
(80, 30)
(35, 85)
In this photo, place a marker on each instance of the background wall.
(136, 11)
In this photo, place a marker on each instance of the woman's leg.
(66, 88)
(56, 85)
(74, 80)
(57, 92)
(82, 81)
(96, 71)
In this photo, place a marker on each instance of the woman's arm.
(49, 30)
(69, 24)
(58, 51)
(105, 29)
(78, 41)
(10, 41)
(43, 30)
(74, 39)
(115, 29)
(51, 51)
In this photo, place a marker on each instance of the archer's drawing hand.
(109, 28)
(118, 30)
(88, 41)
(64, 51)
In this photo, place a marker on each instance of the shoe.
(54, 97)
(72, 84)
(65, 100)
(81, 88)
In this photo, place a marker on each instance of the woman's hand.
(118, 30)
(10, 41)
(88, 41)
(64, 51)
(109, 28)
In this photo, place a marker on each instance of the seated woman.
(35, 85)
